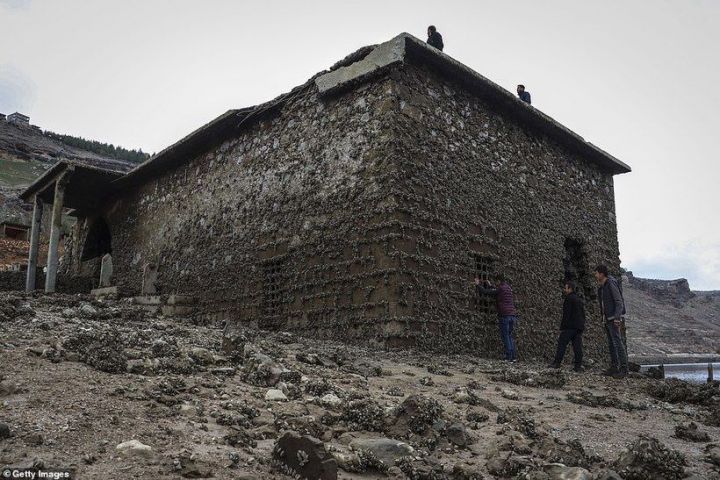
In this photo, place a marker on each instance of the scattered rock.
(364, 414)
(713, 455)
(189, 467)
(275, 395)
(691, 433)
(34, 439)
(87, 311)
(331, 400)
(416, 414)
(648, 459)
(305, 457)
(386, 450)
(585, 397)
(202, 356)
(134, 448)
(458, 435)
(7, 388)
(547, 379)
(519, 420)
(4, 431)
(558, 471)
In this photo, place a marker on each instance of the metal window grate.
(484, 268)
(273, 288)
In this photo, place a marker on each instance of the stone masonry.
(361, 205)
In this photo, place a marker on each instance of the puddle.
(689, 372)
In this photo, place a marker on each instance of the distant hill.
(26, 152)
(666, 317)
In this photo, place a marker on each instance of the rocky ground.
(109, 391)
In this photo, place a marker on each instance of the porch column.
(34, 244)
(55, 229)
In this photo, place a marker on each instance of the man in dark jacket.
(612, 309)
(507, 314)
(523, 94)
(434, 38)
(571, 327)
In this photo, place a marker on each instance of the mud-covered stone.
(416, 414)
(305, 457)
(364, 414)
(386, 450)
(648, 459)
(458, 435)
(691, 432)
(520, 420)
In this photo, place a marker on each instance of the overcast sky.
(640, 79)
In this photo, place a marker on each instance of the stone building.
(359, 206)
(18, 119)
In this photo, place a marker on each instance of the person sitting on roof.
(523, 95)
(434, 38)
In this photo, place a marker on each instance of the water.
(690, 372)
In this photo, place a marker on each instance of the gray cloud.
(17, 90)
(15, 4)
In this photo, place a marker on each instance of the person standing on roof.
(434, 38)
(523, 95)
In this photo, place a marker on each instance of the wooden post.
(34, 244)
(55, 229)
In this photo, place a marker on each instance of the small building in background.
(18, 118)
(17, 231)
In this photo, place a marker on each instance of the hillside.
(25, 153)
(665, 317)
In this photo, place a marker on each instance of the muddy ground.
(81, 378)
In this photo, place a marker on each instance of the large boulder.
(416, 415)
(305, 457)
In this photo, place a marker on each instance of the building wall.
(475, 186)
(284, 226)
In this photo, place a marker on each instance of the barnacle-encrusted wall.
(287, 226)
(365, 216)
(473, 185)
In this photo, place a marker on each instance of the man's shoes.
(620, 375)
(554, 366)
(611, 371)
(578, 369)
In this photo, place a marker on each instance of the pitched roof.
(406, 48)
(88, 185)
(362, 66)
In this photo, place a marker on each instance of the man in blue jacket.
(612, 309)
(523, 94)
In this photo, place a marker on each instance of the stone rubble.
(131, 391)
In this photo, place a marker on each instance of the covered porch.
(65, 186)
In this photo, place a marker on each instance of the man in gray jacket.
(612, 309)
